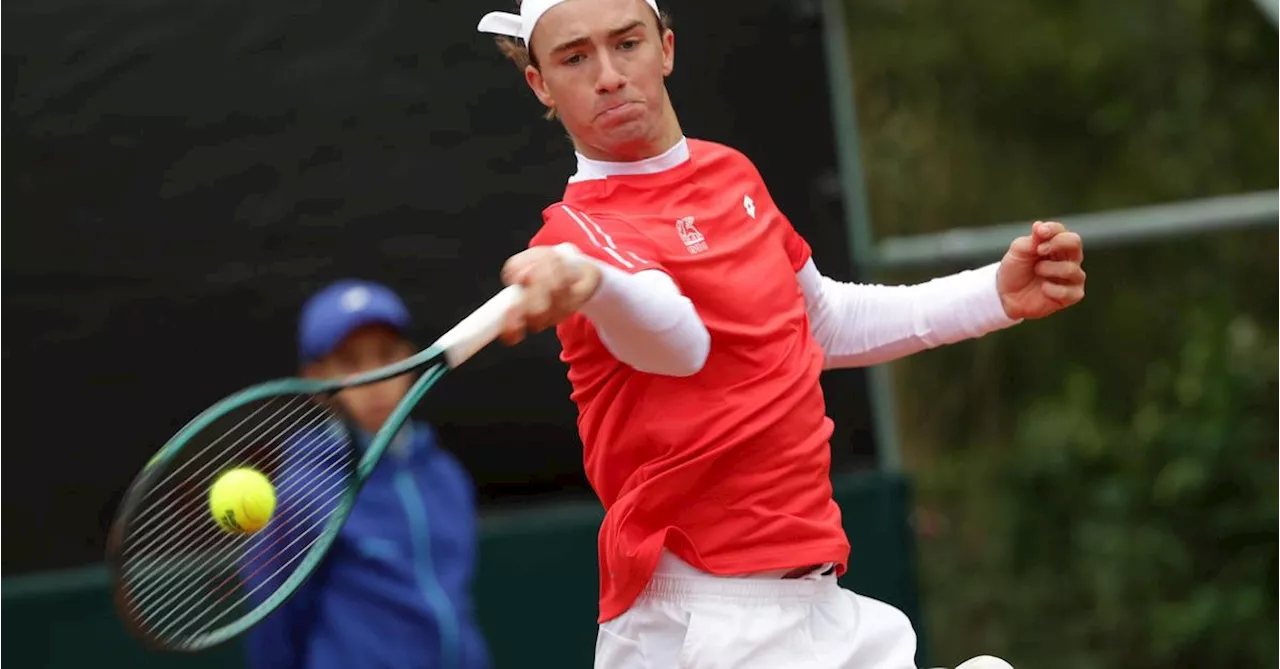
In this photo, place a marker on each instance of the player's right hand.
(555, 287)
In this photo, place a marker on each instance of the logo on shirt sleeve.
(749, 205)
(693, 240)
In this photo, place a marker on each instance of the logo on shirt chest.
(693, 240)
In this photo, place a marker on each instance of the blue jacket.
(394, 589)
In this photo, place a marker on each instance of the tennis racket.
(183, 583)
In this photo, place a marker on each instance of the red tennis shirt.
(729, 469)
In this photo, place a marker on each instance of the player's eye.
(629, 44)
(574, 59)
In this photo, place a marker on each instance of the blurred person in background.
(695, 333)
(395, 589)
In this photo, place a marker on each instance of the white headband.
(521, 25)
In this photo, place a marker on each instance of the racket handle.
(485, 324)
(480, 328)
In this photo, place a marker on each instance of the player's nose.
(609, 78)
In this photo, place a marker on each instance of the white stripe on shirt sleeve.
(587, 224)
(858, 324)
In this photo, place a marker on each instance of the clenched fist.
(1041, 273)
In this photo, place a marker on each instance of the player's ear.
(538, 85)
(668, 52)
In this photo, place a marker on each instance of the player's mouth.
(617, 110)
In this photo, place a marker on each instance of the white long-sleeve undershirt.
(863, 324)
(646, 322)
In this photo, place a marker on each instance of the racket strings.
(295, 522)
(258, 430)
(206, 613)
(187, 535)
(208, 536)
(174, 519)
(273, 557)
(269, 460)
(208, 539)
(185, 594)
(181, 573)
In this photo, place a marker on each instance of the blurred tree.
(1097, 489)
(1106, 538)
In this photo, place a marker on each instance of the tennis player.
(695, 336)
(394, 591)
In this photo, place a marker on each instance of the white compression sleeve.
(859, 325)
(646, 322)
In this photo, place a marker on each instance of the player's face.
(602, 66)
(365, 349)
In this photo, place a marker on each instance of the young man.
(695, 333)
(394, 591)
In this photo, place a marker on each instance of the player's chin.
(623, 138)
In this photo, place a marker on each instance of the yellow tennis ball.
(242, 500)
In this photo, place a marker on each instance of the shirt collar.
(589, 169)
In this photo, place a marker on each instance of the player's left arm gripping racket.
(181, 581)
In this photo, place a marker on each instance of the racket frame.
(452, 349)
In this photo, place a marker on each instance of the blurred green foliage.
(1138, 532)
(1098, 489)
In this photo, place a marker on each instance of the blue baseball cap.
(341, 308)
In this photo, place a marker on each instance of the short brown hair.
(518, 52)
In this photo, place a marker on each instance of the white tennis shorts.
(689, 619)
